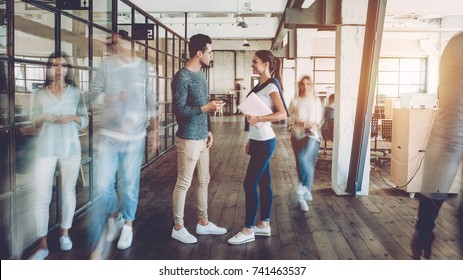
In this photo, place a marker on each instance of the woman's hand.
(252, 120)
(69, 118)
(47, 117)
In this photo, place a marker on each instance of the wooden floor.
(377, 226)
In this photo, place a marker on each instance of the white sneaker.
(125, 241)
(114, 228)
(302, 203)
(266, 231)
(183, 235)
(241, 238)
(300, 189)
(210, 228)
(308, 195)
(65, 243)
(41, 254)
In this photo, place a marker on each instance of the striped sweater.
(132, 86)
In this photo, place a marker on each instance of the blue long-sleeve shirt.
(190, 92)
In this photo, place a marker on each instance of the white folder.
(254, 106)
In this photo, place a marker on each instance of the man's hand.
(154, 143)
(210, 139)
(212, 106)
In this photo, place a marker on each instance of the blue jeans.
(306, 153)
(123, 158)
(258, 173)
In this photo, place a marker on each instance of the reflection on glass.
(34, 31)
(4, 162)
(82, 186)
(3, 28)
(101, 46)
(74, 40)
(29, 78)
(170, 137)
(102, 13)
(140, 50)
(3, 93)
(25, 217)
(24, 155)
(5, 229)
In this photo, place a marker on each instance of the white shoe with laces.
(183, 236)
(266, 231)
(125, 241)
(241, 238)
(210, 228)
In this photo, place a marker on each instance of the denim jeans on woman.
(123, 157)
(306, 153)
(258, 173)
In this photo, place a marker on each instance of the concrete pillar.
(349, 46)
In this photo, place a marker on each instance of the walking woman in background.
(306, 111)
(59, 114)
(261, 145)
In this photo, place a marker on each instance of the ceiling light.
(246, 43)
(239, 19)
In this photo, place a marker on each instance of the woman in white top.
(261, 145)
(59, 114)
(306, 111)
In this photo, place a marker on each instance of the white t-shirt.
(265, 132)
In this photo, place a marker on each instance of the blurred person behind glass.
(444, 150)
(123, 95)
(306, 111)
(59, 113)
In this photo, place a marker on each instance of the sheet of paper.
(254, 106)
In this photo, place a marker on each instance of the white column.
(349, 47)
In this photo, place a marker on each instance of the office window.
(395, 76)
(324, 75)
(400, 75)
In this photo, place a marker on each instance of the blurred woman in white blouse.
(306, 120)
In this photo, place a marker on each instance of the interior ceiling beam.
(321, 14)
(277, 40)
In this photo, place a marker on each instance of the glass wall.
(85, 35)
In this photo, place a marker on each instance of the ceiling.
(219, 18)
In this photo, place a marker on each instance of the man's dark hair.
(198, 42)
